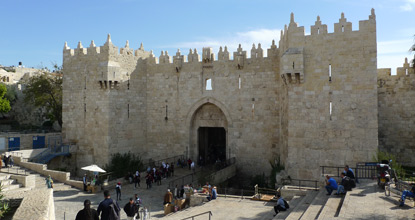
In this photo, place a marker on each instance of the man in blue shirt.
(331, 184)
(280, 205)
(214, 194)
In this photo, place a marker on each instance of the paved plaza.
(366, 201)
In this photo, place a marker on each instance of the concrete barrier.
(28, 181)
(36, 205)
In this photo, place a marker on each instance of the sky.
(34, 32)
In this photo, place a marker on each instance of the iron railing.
(193, 177)
(51, 153)
(15, 170)
(193, 217)
(301, 183)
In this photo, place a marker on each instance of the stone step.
(4, 176)
(316, 205)
(10, 187)
(330, 208)
(61, 187)
(7, 182)
(299, 210)
(293, 203)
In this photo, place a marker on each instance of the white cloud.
(408, 6)
(394, 46)
(246, 39)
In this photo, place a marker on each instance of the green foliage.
(4, 206)
(259, 179)
(11, 93)
(121, 164)
(276, 167)
(45, 90)
(380, 155)
(4, 103)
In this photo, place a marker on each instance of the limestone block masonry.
(312, 100)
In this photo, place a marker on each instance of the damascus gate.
(309, 100)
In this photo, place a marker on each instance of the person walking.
(130, 209)
(108, 208)
(136, 179)
(118, 190)
(87, 213)
(84, 180)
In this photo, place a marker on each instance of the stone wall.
(396, 95)
(332, 98)
(120, 100)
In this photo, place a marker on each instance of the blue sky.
(34, 32)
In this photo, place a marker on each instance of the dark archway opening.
(212, 145)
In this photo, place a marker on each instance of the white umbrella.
(94, 168)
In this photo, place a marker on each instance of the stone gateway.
(313, 100)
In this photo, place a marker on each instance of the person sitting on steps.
(280, 205)
(331, 184)
(344, 186)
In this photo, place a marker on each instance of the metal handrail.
(193, 217)
(227, 163)
(300, 181)
(10, 170)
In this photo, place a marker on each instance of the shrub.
(121, 164)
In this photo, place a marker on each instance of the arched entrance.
(208, 134)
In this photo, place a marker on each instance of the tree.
(45, 90)
(4, 103)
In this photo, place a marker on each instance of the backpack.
(113, 215)
(287, 206)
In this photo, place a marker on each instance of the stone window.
(318, 30)
(406, 73)
(240, 82)
(342, 28)
(331, 109)
(329, 72)
(128, 110)
(208, 83)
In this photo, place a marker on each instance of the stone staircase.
(8, 184)
(40, 182)
(314, 205)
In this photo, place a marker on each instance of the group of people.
(348, 181)
(8, 161)
(109, 209)
(155, 175)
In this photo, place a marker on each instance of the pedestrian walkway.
(69, 202)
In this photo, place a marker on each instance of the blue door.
(14, 143)
(38, 142)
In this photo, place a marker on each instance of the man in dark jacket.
(87, 213)
(108, 207)
(131, 209)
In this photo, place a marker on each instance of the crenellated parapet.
(239, 56)
(224, 55)
(404, 72)
(107, 51)
(293, 34)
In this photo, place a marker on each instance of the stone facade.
(311, 101)
(396, 95)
